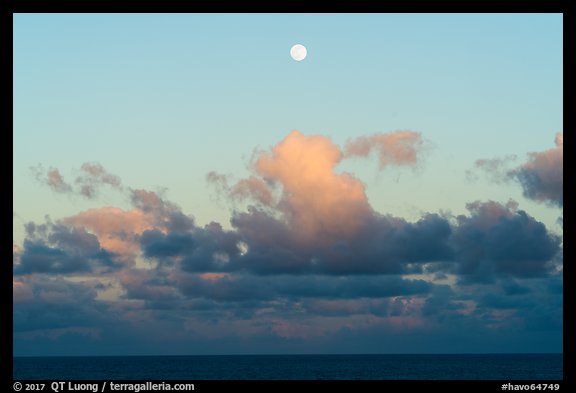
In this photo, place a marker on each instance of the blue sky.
(161, 100)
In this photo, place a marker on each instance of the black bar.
(62, 386)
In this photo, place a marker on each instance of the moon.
(298, 52)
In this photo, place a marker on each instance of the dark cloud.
(55, 303)
(155, 244)
(493, 240)
(500, 240)
(148, 284)
(215, 250)
(241, 287)
(54, 248)
(386, 245)
(263, 244)
(443, 301)
(40, 258)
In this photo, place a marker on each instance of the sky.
(181, 185)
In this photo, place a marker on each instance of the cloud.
(147, 284)
(242, 287)
(119, 230)
(443, 303)
(93, 177)
(473, 249)
(21, 292)
(499, 239)
(156, 244)
(54, 248)
(397, 148)
(55, 304)
(52, 178)
(314, 201)
(255, 188)
(165, 214)
(317, 205)
(495, 168)
(321, 223)
(541, 177)
(116, 229)
(307, 265)
(263, 245)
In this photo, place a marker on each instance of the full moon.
(298, 52)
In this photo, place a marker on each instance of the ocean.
(294, 367)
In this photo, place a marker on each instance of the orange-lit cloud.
(115, 228)
(297, 179)
(317, 202)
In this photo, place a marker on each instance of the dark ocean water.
(268, 367)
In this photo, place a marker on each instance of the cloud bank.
(307, 265)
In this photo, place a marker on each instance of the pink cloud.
(318, 205)
(317, 202)
(213, 277)
(542, 177)
(56, 181)
(115, 228)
